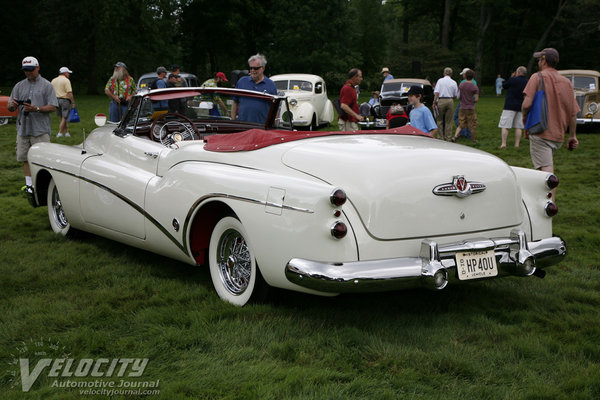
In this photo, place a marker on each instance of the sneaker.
(59, 135)
(67, 134)
(27, 191)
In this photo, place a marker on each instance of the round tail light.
(552, 181)
(339, 230)
(338, 197)
(551, 209)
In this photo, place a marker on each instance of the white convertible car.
(319, 212)
(307, 98)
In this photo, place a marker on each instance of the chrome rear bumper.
(514, 256)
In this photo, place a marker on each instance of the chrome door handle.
(149, 154)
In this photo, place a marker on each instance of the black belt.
(445, 97)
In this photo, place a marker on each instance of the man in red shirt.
(349, 102)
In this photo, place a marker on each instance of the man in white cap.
(35, 99)
(64, 94)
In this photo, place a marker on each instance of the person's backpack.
(154, 85)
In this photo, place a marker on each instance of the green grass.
(499, 339)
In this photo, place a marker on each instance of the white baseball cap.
(464, 71)
(29, 63)
(62, 70)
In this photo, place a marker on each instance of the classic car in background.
(394, 91)
(146, 80)
(6, 115)
(319, 212)
(307, 98)
(587, 93)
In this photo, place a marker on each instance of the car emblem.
(459, 187)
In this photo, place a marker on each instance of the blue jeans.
(113, 111)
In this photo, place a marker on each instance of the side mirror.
(100, 119)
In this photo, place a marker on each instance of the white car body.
(307, 99)
(266, 195)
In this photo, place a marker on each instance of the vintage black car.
(393, 91)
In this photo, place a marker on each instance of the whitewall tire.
(56, 213)
(232, 263)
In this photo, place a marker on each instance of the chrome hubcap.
(235, 262)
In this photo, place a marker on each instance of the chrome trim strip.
(514, 255)
(182, 246)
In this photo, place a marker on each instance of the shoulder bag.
(537, 118)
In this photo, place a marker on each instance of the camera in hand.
(21, 102)
(122, 101)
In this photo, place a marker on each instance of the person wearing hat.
(466, 132)
(420, 116)
(562, 111)
(385, 71)
(35, 99)
(160, 83)
(66, 101)
(374, 98)
(217, 81)
(468, 93)
(176, 71)
(119, 88)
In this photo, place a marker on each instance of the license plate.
(476, 264)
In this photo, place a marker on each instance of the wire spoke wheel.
(232, 261)
(56, 212)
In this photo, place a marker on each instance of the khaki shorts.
(347, 125)
(542, 151)
(467, 119)
(511, 119)
(24, 143)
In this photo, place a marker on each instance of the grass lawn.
(499, 339)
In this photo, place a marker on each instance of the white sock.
(28, 181)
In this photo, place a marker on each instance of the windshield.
(584, 82)
(397, 87)
(209, 111)
(294, 84)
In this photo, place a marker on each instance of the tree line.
(412, 38)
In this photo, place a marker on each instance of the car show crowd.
(430, 108)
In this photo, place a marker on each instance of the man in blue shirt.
(251, 109)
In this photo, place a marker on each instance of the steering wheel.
(159, 129)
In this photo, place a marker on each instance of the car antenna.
(83, 151)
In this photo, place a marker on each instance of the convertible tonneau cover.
(255, 139)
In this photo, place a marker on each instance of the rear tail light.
(339, 230)
(338, 197)
(551, 209)
(552, 181)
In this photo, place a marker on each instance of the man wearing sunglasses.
(249, 109)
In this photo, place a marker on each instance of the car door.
(113, 184)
